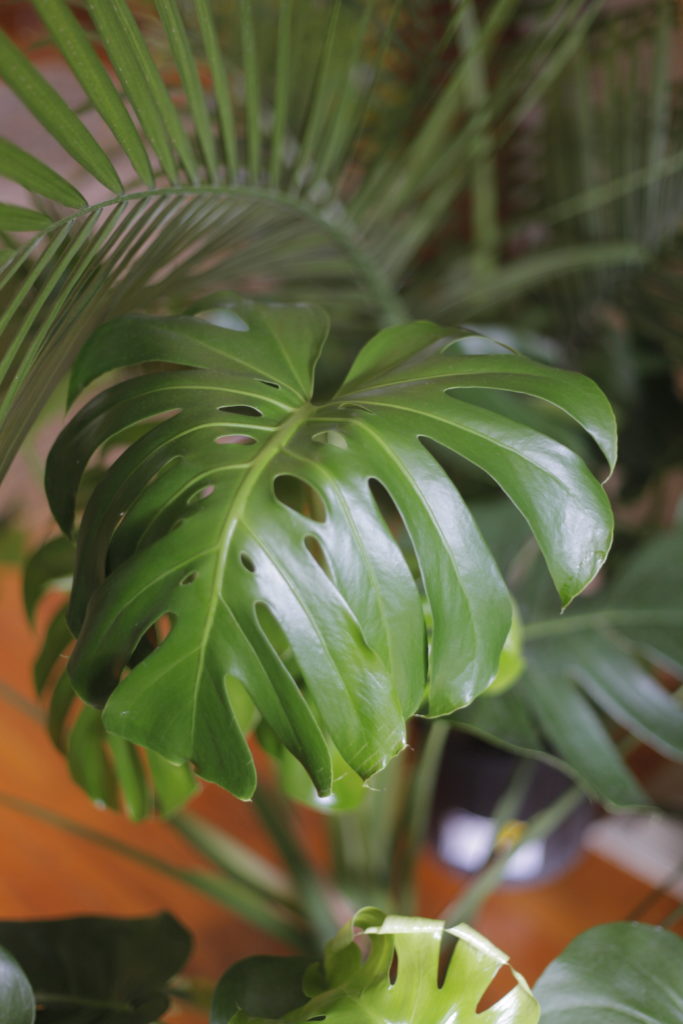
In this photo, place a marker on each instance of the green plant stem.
(509, 805)
(672, 918)
(235, 859)
(468, 903)
(656, 894)
(418, 809)
(314, 896)
(599, 617)
(244, 900)
(16, 700)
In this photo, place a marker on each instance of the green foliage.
(589, 669)
(399, 979)
(307, 150)
(615, 974)
(17, 1005)
(89, 970)
(252, 506)
(111, 771)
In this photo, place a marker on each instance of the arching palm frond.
(290, 149)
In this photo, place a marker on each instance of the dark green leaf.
(109, 768)
(263, 986)
(88, 760)
(57, 639)
(589, 668)
(615, 974)
(17, 1005)
(205, 533)
(573, 728)
(98, 970)
(52, 562)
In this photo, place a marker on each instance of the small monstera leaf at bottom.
(91, 970)
(398, 980)
(260, 526)
(615, 974)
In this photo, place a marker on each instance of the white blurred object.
(465, 841)
(647, 846)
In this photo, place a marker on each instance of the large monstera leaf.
(297, 549)
(347, 989)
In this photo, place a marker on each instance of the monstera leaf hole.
(235, 439)
(204, 492)
(389, 511)
(242, 410)
(300, 496)
(315, 548)
(503, 983)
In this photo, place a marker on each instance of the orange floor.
(45, 872)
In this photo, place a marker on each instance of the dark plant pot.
(472, 780)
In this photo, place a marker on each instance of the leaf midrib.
(361, 548)
(281, 435)
(341, 229)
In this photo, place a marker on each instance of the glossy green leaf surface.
(265, 986)
(253, 503)
(349, 989)
(590, 667)
(97, 970)
(111, 771)
(615, 974)
(17, 1005)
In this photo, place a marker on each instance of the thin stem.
(418, 808)
(542, 824)
(509, 804)
(16, 700)
(314, 897)
(656, 894)
(240, 898)
(236, 859)
(594, 619)
(672, 918)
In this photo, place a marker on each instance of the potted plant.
(280, 550)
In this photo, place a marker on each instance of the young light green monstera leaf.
(398, 980)
(284, 546)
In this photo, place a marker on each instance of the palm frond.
(310, 150)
